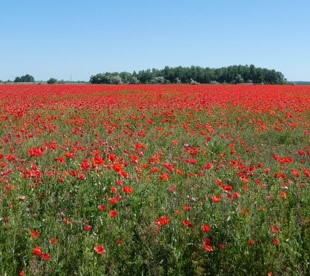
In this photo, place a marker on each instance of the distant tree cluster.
(194, 75)
(299, 82)
(115, 78)
(52, 81)
(26, 78)
(56, 81)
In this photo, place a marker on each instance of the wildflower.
(251, 242)
(164, 177)
(34, 234)
(87, 228)
(102, 207)
(205, 228)
(179, 172)
(112, 200)
(99, 249)
(35, 152)
(306, 173)
(45, 257)
(37, 251)
(274, 229)
(295, 173)
(119, 182)
(113, 213)
(128, 190)
(207, 246)
(207, 166)
(163, 220)
(275, 242)
(173, 188)
(187, 223)
(221, 246)
(227, 188)
(216, 199)
(53, 240)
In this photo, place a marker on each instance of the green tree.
(194, 74)
(52, 81)
(134, 80)
(25, 78)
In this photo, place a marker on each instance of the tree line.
(194, 75)
(30, 79)
(25, 78)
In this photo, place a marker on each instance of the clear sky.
(57, 38)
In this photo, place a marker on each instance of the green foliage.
(52, 81)
(194, 75)
(108, 78)
(25, 78)
(39, 193)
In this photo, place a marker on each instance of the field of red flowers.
(154, 180)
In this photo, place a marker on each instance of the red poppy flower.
(112, 200)
(275, 242)
(274, 229)
(227, 188)
(99, 249)
(102, 207)
(113, 190)
(127, 190)
(113, 213)
(207, 166)
(295, 173)
(306, 173)
(205, 228)
(117, 167)
(179, 172)
(45, 257)
(207, 246)
(164, 177)
(221, 246)
(216, 199)
(87, 228)
(52, 240)
(34, 234)
(162, 221)
(37, 251)
(187, 223)
(173, 188)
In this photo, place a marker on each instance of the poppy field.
(154, 180)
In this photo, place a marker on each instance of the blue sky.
(59, 38)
